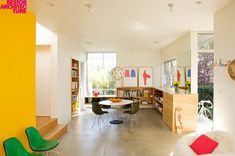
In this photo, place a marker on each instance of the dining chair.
(132, 113)
(38, 144)
(13, 147)
(97, 110)
(128, 107)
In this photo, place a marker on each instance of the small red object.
(203, 145)
(96, 93)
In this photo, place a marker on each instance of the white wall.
(138, 59)
(178, 47)
(186, 44)
(67, 50)
(224, 86)
(62, 51)
(43, 80)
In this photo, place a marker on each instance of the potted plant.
(176, 85)
(188, 85)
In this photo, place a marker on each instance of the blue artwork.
(189, 73)
(133, 73)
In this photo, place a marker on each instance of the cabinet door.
(168, 109)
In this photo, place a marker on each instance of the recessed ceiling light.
(171, 6)
(50, 4)
(90, 7)
(198, 2)
(155, 42)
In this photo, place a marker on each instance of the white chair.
(226, 145)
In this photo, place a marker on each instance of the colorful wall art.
(180, 75)
(130, 77)
(188, 74)
(145, 77)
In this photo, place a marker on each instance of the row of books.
(74, 85)
(129, 93)
(134, 93)
(74, 73)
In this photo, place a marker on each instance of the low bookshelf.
(143, 94)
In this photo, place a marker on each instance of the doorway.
(206, 81)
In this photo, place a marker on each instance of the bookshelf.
(74, 85)
(158, 99)
(143, 94)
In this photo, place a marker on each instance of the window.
(99, 66)
(169, 72)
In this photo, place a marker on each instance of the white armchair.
(226, 145)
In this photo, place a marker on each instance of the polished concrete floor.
(150, 138)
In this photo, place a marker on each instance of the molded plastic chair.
(132, 113)
(38, 143)
(96, 108)
(13, 147)
(104, 106)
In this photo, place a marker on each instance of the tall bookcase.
(74, 85)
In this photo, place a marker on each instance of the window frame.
(165, 62)
(87, 88)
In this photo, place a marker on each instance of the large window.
(99, 66)
(169, 72)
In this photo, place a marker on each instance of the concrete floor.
(150, 138)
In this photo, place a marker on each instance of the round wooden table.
(117, 105)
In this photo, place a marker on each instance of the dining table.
(116, 105)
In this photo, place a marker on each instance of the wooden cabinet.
(189, 106)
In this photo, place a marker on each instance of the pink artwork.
(127, 73)
(18, 6)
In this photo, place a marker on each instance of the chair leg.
(136, 120)
(94, 121)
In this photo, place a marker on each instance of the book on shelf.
(146, 93)
(129, 93)
(144, 102)
(74, 85)
(74, 73)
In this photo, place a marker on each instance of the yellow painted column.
(17, 75)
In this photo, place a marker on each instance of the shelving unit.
(74, 85)
(143, 94)
(158, 99)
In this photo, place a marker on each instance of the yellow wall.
(17, 75)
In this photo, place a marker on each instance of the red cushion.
(203, 145)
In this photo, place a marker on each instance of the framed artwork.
(145, 76)
(188, 74)
(180, 76)
(130, 77)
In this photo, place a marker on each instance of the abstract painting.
(145, 77)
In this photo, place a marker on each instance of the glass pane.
(169, 72)
(205, 41)
(99, 76)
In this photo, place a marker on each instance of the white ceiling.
(117, 25)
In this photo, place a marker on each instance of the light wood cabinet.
(189, 105)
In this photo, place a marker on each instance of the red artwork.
(145, 76)
(127, 73)
(178, 75)
(18, 6)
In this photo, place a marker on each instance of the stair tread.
(44, 121)
(54, 131)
